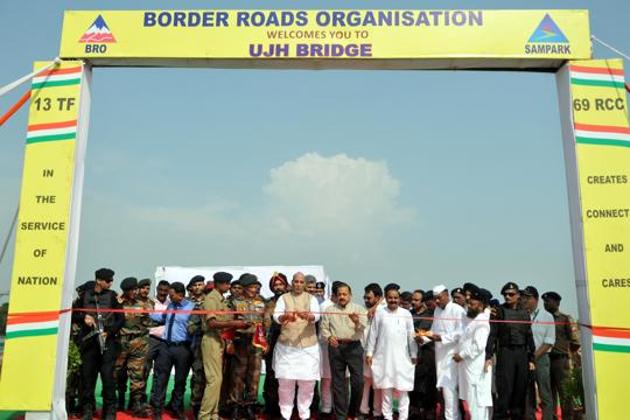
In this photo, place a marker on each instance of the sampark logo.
(97, 36)
(547, 38)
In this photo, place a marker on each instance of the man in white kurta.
(373, 299)
(391, 353)
(447, 328)
(475, 380)
(296, 358)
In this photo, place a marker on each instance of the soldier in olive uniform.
(134, 345)
(567, 343)
(212, 345)
(198, 380)
(248, 352)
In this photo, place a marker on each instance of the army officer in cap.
(249, 346)
(514, 345)
(212, 344)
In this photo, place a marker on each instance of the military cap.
(457, 290)
(552, 296)
(222, 277)
(104, 274)
(469, 287)
(480, 295)
(129, 283)
(530, 291)
(144, 282)
(196, 279)
(510, 286)
(249, 280)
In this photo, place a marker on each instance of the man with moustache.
(196, 295)
(97, 333)
(373, 299)
(278, 284)
(342, 328)
(514, 344)
(391, 353)
(474, 379)
(212, 345)
(296, 358)
(160, 302)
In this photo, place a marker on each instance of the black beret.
(104, 274)
(248, 280)
(457, 290)
(144, 282)
(530, 291)
(196, 279)
(552, 295)
(509, 286)
(469, 287)
(494, 302)
(428, 296)
(129, 283)
(222, 277)
(482, 295)
(236, 282)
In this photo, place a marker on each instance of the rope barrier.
(18, 317)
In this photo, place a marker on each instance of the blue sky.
(418, 177)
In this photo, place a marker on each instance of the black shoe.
(110, 414)
(88, 413)
(234, 412)
(250, 412)
(179, 414)
(157, 415)
(139, 410)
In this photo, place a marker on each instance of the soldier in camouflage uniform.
(196, 295)
(134, 345)
(248, 350)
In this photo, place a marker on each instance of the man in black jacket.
(514, 344)
(96, 337)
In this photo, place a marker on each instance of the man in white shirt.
(544, 332)
(373, 299)
(392, 353)
(447, 328)
(475, 381)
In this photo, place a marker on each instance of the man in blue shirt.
(174, 351)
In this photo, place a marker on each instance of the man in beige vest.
(296, 356)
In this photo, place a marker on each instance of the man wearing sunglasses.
(98, 329)
(513, 342)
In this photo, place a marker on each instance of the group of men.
(438, 353)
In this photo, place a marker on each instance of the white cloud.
(322, 195)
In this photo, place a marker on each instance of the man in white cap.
(447, 328)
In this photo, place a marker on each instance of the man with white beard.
(447, 328)
(471, 355)
(392, 353)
